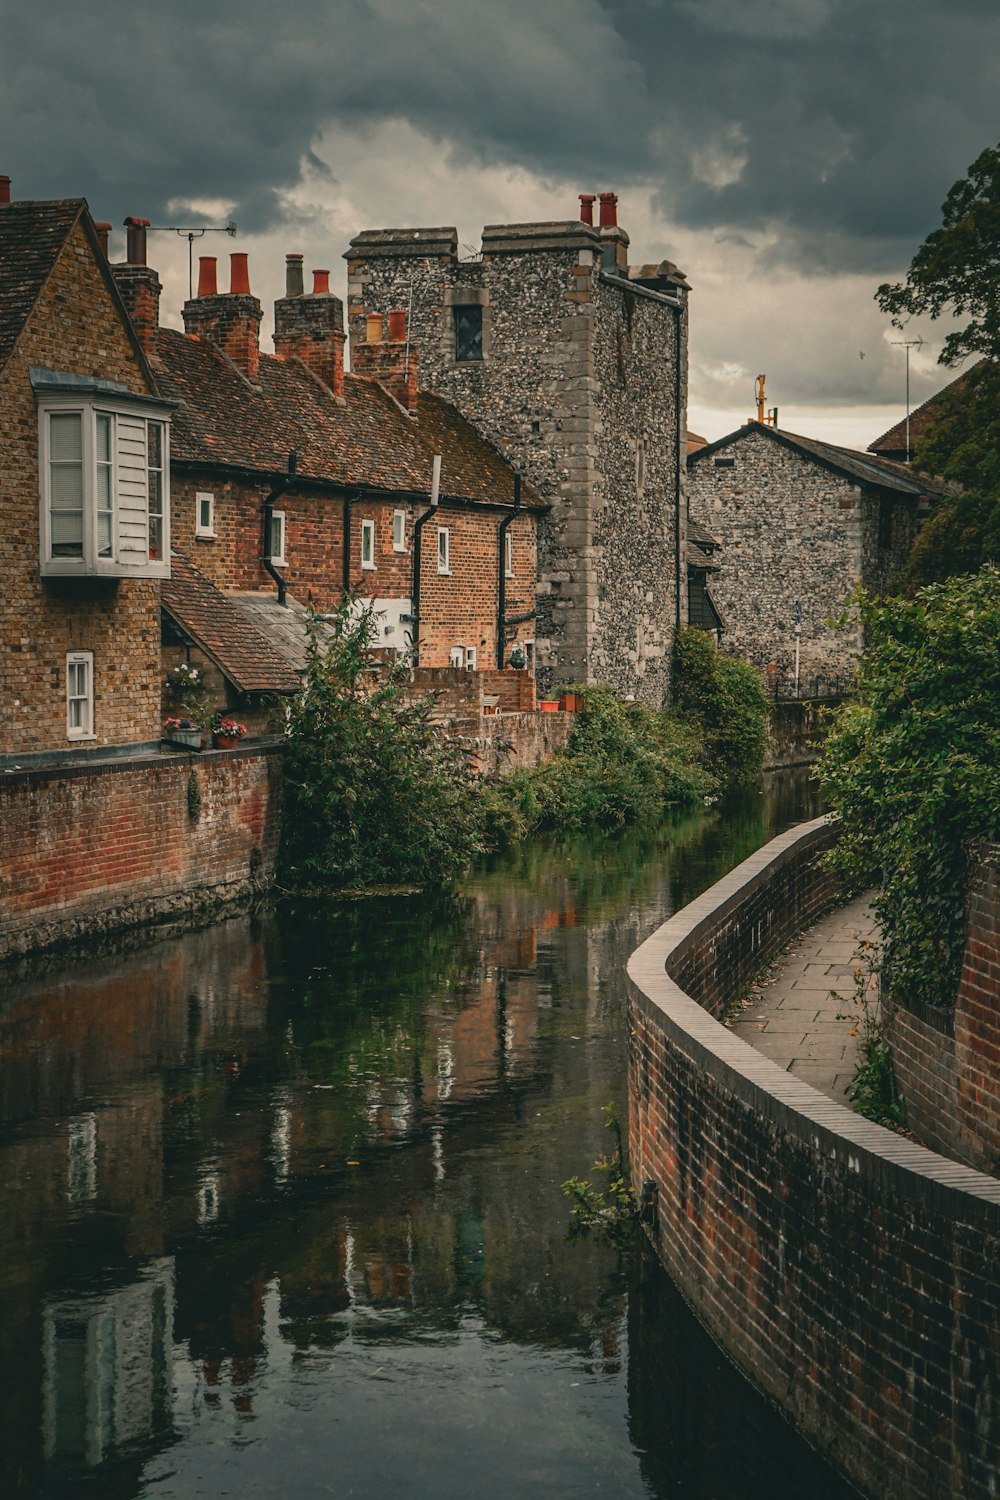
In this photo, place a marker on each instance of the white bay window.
(104, 480)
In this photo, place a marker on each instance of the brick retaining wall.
(93, 848)
(948, 1061)
(851, 1274)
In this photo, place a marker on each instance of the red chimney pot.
(103, 229)
(609, 209)
(397, 325)
(4, 189)
(239, 273)
(587, 201)
(321, 283)
(208, 285)
(135, 251)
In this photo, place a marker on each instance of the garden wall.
(850, 1273)
(106, 845)
(948, 1061)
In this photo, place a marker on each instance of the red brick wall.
(73, 327)
(850, 1273)
(456, 609)
(116, 845)
(948, 1061)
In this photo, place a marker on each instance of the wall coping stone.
(900, 1165)
(133, 758)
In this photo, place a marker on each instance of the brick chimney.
(614, 240)
(138, 283)
(311, 328)
(389, 360)
(4, 190)
(229, 320)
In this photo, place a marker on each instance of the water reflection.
(281, 1198)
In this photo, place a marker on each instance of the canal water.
(280, 1208)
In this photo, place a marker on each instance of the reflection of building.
(107, 1381)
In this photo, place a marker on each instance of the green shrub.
(725, 697)
(913, 769)
(375, 792)
(623, 763)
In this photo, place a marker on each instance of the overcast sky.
(788, 154)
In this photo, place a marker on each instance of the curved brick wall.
(851, 1274)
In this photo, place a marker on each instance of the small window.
(457, 657)
(368, 544)
(399, 531)
(508, 555)
(468, 333)
(470, 658)
(80, 695)
(444, 550)
(66, 487)
(204, 514)
(156, 488)
(725, 463)
(276, 550)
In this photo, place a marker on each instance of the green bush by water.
(725, 698)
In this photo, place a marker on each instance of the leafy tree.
(726, 698)
(956, 268)
(376, 794)
(913, 769)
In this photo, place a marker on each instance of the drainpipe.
(418, 528)
(349, 500)
(502, 575)
(267, 510)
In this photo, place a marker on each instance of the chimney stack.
(587, 201)
(4, 190)
(391, 361)
(137, 283)
(614, 247)
(103, 229)
(229, 320)
(311, 328)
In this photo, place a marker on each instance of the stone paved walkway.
(796, 1021)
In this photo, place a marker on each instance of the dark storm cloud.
(834, 125)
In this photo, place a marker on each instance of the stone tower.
(575, 367)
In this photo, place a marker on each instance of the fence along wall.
(128, 843)
(851, 1274)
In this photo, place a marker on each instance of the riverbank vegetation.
(378, 794)
(912, 767)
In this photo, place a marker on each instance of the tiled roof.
(31, 237)
(366, 441)
(224, 632)
(864, 467)
(283, 625)
(894, 441)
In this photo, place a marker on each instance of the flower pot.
(226, 742)
(188, 739)
(548, 705)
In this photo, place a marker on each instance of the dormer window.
(104, 479)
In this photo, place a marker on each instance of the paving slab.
(803, 1018)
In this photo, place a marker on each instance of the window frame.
(471, 658)
(204, 531)
(399, 527)
(508, 555)
(278, 518)
(84, 730)
(459, 311)
(368, 531)
(92, 406)
(456, 658)
(444, 553)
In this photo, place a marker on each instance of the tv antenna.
(191, 235)
(908, 344)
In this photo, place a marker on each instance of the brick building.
(800, 521)
(84, 494)
(289, 474)
(575, 365)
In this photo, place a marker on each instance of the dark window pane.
(468, 333)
